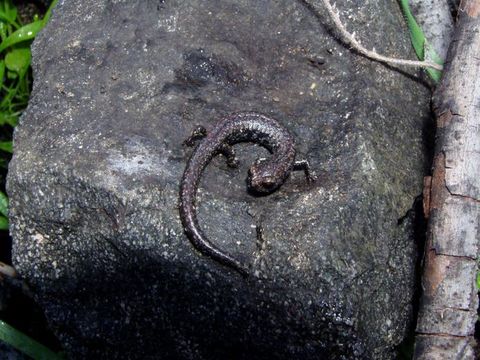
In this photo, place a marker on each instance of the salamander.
(264, 176)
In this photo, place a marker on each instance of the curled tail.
(188, 215)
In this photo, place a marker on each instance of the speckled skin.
(264, 176)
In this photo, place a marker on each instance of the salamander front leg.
(227, 151)
(303, 165)
(199, 133)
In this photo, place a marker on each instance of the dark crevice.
(465, 197)
(405, 349)
(412, 211)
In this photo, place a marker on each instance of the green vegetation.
(15, 86)
(26, 344)
(15, 79)
(3, 211)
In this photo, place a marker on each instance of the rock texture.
(98, 159)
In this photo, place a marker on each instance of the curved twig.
(371, 54)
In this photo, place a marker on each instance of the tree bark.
(448, 309)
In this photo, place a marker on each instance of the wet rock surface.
(98, 159)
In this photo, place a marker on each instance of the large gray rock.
(98, 159)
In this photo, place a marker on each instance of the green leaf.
(18, 59)
(3, 30)
(478, 280)
(420, 44)
(6, 118)
(3, 204)
(6, 146)
(3, 223)
(431, 55)
(11, 75)
(416, 33)
(2, 71)
(12, 121)
(26, 344)
(26, 32)
(8, 12)
(49, 12)
(4, 17)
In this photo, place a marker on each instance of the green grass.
(26, 344)
(15, 79)
(15, 87)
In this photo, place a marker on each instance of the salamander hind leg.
(197, 134)
(227, 151)
(303, 165)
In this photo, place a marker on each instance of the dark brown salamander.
(264, 176)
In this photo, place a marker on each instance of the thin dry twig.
(7, 270)
(371, 54)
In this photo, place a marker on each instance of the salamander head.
(263, 178)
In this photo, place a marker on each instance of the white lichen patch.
(137, 160)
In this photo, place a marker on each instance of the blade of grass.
(3, 223)
(3, 31)
(6, 146)
(8, 118)
(2, 70)
(3, 204)
(8, 12)
(3, 17)
(49, 12)
(25, 344)
(12, 120)
(12, 92)
(420, 44)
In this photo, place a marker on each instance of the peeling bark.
(448, 309)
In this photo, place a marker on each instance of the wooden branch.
(448, 309)
(7, 270)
